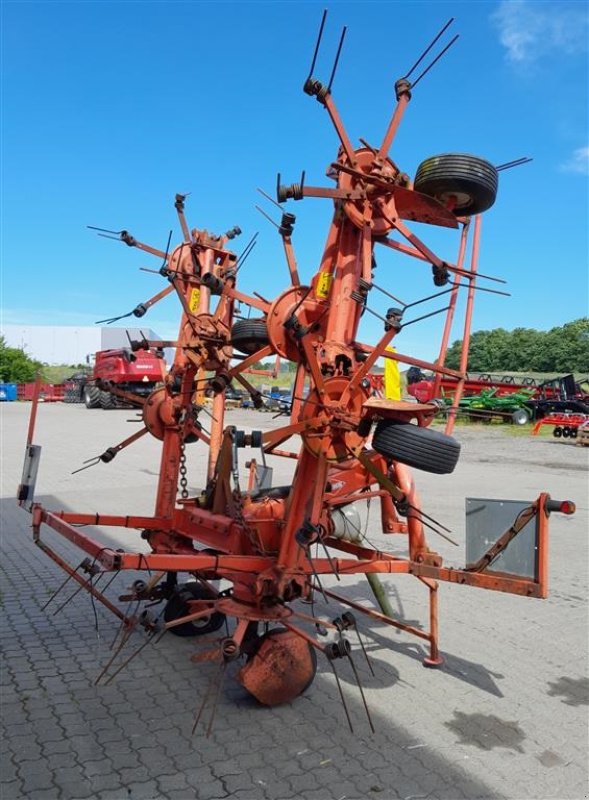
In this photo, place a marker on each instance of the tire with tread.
(422, 448)
(472, 181)
(107, 400)
(92, 397)
(177, 606)
(520, 417)
(249, 335)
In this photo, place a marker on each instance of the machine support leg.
(380, 594)
(434, 659)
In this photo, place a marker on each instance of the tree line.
(563, 349)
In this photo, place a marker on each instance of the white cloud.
(532, 30)
(578, 162)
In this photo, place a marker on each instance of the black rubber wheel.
(92, 397)
(573, 434)
(520, 417)
(71, 395)
(422, 448)
(470, 180)
(275, 493)
(557, 432)
(566, 431)
(107, 400)
(249, 335)
(177, 606)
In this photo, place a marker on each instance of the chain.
(183, 483)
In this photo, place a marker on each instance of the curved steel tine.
(323, 18)
(355, 671)
(341, 694)
(58, 590)
(426, 51)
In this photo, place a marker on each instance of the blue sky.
(110, 108)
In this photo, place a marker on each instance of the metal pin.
(349, 654)
(78, 590)
(341, 694)
(335, 63)
(57, 591)
(323, 18)
(206, 695)
(426, 51)
(435, 61)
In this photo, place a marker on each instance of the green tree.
(15, 365)
(561, 349)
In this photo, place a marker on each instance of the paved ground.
(505, 718)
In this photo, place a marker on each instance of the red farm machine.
(276, 546)
(115, 374)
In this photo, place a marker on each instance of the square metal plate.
(486, 521)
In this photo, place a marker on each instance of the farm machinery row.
(275, 546)
(515, 399)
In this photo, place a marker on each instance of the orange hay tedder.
(272, 546)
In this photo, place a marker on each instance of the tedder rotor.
(272, 546)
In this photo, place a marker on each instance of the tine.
(388, 294)
(335, 63)
(126, 618)
(341, 694)
(323, 18)
(368, 661)
(110, 661)
(268, 217)
(103, 230)
(95, 461)
(431, 519)
(425, 316)
(71, 597)
(271, 199)
(57, 591)
(329, 558)
(361, 691)
(241, 261)
(220, 681)
(204, 702)
(516, 163)
(426, 51)
(316, 576)
(130, 658)
(435, 61)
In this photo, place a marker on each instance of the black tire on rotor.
(557, 432)
(566, 432)
(471, 180)
(177, 606)
(249, 335)
(422, 448)
(107, 400)
(574, 433)
(92, 397)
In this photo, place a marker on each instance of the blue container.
(7, 391)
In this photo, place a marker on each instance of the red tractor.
(117, 372)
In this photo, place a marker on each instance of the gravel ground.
(506, 717)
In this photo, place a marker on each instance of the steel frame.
(262, 545)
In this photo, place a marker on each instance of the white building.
(67, 344)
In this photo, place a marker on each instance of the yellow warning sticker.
(194, 300)
(323, 285)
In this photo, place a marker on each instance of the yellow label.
(194, 300)
(323, 285)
